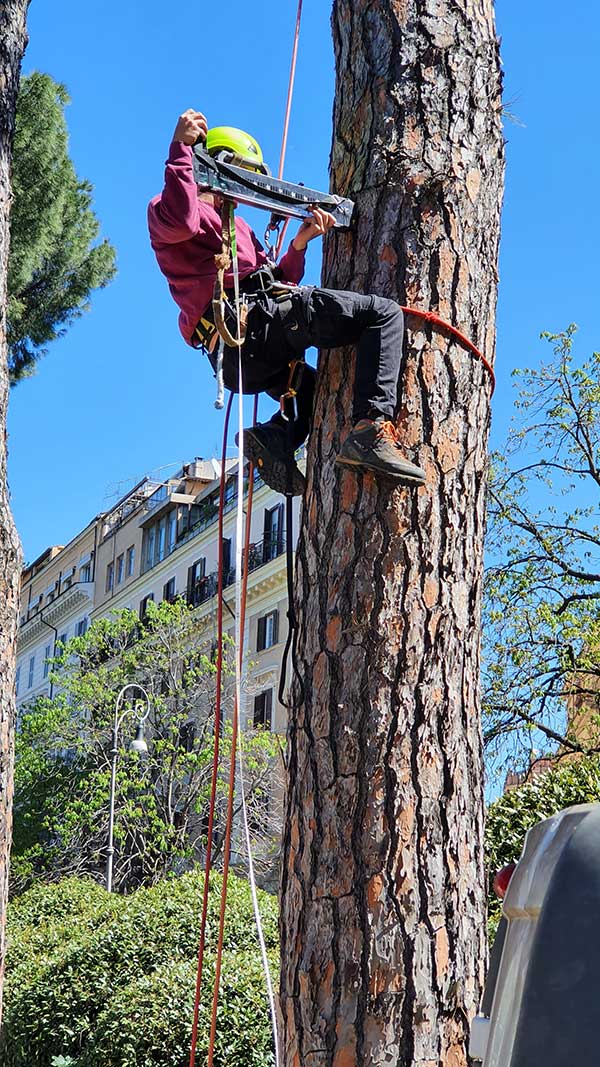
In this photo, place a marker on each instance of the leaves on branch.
(55, 261)
(541, 676)
(62, 771)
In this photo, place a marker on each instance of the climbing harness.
(223, 262)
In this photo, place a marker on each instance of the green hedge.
(109, 980)
(509, 818)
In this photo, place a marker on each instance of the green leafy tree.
(509, 818)
(55, 262)
(542, 644)
(102, 980)
(62, 772)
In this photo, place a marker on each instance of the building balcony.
(258, 555)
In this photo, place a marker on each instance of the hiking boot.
(266, 446)
(373, 446)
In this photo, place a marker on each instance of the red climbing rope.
(232, 767)
(217, 737)
(435, 320)
(286, 123)
(288, 106)
(219, 665)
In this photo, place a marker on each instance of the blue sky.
(121, 395)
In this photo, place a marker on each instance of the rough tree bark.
(383, 929)
(13, 39)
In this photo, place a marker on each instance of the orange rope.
(288, 106)
(435, 320)
(286, 123)
(215, 769)
(232, 768)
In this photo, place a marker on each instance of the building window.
(18, 680)
(169, 590)
(162, 538)
(67, 579)
(268, 631)
(144, 605)
(82, 626)
(110, 577)
(263, 709)
(62, 641)
(227, 575)
(85, 574)
(195, 575)
(159, 540)
(130, 560)
(120, 568)
(150, 537)
(31, 670)
(273, 533)
(187, 736)
(172, 521)
(47, 655)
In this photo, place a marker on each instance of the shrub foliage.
(108, 981)
(510, 817)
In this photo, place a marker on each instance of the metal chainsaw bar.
(264, 191)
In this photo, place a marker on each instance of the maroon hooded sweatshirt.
(185, 233)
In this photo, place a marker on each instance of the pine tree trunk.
(383, 909)
(13, 39)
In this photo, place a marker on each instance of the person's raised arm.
(291, 264)
(175, 215)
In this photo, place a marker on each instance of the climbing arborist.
(284, 318)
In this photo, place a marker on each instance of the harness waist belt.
(260, 281)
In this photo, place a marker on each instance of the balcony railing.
(258, 554)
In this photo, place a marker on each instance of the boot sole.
(273, 471)
(395, 476)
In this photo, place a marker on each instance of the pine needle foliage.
(55, 259)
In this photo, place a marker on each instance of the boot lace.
(387, 432)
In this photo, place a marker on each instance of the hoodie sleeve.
(175, 215)
(291, 265)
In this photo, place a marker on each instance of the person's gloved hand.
(317, 226)
(191, 127)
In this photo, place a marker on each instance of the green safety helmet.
(227, 139)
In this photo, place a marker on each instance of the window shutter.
(276, 626)
(268, 708)
(262, 625)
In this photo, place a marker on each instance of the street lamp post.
(137, 745)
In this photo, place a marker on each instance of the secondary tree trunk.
(13, 39)
(383, 919)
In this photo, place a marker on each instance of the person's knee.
(387, 310)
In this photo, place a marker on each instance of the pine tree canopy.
(54, 261)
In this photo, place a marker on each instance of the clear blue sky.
(121, 394)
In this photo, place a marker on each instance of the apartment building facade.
(158, 542)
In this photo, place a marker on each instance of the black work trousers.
(280, 331)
